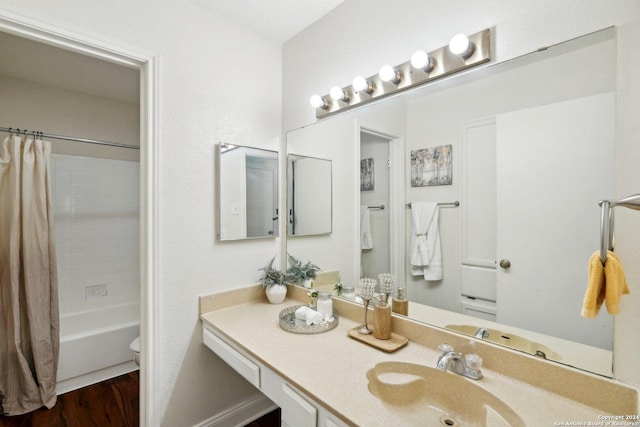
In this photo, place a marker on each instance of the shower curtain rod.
(70, 138)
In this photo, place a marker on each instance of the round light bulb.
(316, 101)
(337, 94)
(419, 59)
(460, 45)
(360, 84)
(388, 74)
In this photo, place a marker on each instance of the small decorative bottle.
(382, 318)
(325, 305)
(400, 304)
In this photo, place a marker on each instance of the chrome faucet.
(467, 365)
(481, 333)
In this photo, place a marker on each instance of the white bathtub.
(94, 345)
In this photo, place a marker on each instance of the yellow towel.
(606, 283)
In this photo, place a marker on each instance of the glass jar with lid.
(325, 305)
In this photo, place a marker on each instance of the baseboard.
(241, 414)
(95, 377)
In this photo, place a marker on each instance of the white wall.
(35, 106)
(210, 91)
(337, 250)
(367, 39)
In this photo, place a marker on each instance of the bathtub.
(94, 345)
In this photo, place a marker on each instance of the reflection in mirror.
(532, 153)
(308, 195)
(248, 192)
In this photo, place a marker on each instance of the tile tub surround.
(541, 392)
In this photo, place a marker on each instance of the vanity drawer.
(249, 370)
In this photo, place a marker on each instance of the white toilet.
(135, 347)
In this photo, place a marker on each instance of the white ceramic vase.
(276, 293)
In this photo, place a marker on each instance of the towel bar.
(606, 221)
(456, 204)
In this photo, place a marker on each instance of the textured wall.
(210, 90)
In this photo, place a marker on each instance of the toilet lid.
(135, 345)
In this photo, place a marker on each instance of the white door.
(262, 213)
(548, 221)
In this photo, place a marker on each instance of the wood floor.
(111, 403)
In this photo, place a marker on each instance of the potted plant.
(302, 273)
(274, 282)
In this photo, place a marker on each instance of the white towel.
(310, 316)
(426, 255)
(366, 241)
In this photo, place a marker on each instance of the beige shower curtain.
(29, 335)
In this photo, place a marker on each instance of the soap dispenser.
(382, 318)
(400, 304)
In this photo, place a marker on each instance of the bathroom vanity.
(330, 379)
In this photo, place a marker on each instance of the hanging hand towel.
(366, 241)
(426, 255)
(606, 284)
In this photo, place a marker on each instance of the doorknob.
(505, 263)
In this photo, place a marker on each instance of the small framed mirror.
(248, 192)
(308, 195)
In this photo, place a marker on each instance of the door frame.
(396, 201)
(147, 64)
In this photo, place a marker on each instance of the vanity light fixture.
(360, 84)
(422, 61)
(461, 45)
(389, 74)
(317, 101)
(461, 53)
(337, 94)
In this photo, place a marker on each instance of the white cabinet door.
(295, 410)
(548, 222)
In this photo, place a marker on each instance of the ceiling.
(44, 64)
(277, 20)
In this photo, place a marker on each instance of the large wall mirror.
(248, 192)
(530, 145)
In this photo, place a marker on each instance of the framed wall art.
(432, 166)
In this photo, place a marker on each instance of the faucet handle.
(473, 360)
(445, 348)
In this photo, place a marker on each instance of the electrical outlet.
(96, 291)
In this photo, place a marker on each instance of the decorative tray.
(395, 342)
(288, 322)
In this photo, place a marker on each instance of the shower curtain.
(29, 335)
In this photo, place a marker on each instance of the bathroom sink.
(510, 340)
(421, 395)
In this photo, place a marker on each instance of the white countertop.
(331, 368)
